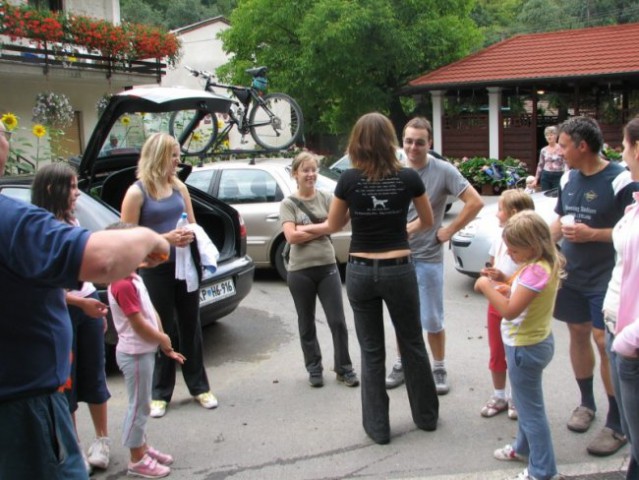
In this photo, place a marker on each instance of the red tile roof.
(586, 52)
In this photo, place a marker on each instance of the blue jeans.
(525, 369)
(306, 286)
(625, 378)
(430, 278)
(37, 440)
(368, 288)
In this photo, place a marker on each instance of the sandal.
(512, 411)
(494, 406)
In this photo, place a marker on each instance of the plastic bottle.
(181, 223)
(181, 253)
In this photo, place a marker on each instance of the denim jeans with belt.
(368, 288)
(525, 368)
(624, 372)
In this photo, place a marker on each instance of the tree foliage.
(500, 19)
(341, 58)
(173, 14)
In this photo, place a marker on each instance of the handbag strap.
(303, 208)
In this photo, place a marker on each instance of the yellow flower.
(196, 137)
(10, 121)
(39, 130)
(220, 123)
(125, 120)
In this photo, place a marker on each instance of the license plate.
(217, 291)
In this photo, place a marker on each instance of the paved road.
(272, 425)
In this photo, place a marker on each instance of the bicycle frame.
(243, 125)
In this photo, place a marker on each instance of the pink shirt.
(627, 330)
(127, 297)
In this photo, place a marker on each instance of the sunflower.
(10, 121)
(125, 120)
(39, 130)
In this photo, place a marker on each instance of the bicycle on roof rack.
(273, 120)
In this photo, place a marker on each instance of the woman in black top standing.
(377, 193)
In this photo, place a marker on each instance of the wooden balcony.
(50, 57)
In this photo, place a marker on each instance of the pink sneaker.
(163, 458)
(148, 468)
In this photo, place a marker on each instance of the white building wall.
(103, 9)
(202, 50)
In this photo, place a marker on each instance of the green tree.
(496, 18)
(341, 58)
(173, 14)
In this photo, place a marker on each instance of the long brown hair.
(373, 145)
(51, 189)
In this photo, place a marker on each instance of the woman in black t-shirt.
(377, 193)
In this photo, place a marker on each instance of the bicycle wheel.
(200, 138)
(276, 122)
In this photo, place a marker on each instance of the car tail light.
(242, 226)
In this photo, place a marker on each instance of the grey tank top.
(162, 215)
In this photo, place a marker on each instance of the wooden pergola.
(496, 102)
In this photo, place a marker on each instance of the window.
(248, 186)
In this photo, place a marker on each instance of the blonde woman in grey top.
(313, 273)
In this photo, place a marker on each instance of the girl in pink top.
(139, 335)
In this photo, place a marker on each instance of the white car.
(470, 246)
(255, 189)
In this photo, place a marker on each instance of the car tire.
(279, 262)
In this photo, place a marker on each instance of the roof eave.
(518, 82)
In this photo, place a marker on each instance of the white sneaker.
(508, 454)
(207, 399)
(158, 408)
(99, 452)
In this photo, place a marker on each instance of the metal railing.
(49, 56)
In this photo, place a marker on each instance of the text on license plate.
(217, 291)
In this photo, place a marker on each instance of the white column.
(494, 110)
(436, 97)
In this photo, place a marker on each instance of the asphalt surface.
(271, 425)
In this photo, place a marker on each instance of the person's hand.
(482, 283)
(577, 233)
(94, 308)
(160, 254)
(492, 273)
(181, 237)
(444, 234)
(177, 356)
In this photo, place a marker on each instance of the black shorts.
(573, 306)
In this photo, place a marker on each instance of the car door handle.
(273, 217)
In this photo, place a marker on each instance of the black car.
(104, 175)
